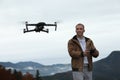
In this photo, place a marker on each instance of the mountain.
(104, 69)
(33, 66)
(108, 68)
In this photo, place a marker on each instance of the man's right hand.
(86, 52)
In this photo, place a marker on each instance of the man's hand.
(86, 53)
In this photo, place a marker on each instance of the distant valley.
(31, 67)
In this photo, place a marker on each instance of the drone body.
(39, 27)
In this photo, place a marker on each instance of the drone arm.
(28, 30)
(50, 25)
(55, 24)
(26, 23)
(47, 31)
(31, 24)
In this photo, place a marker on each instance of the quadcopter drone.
(39, 27)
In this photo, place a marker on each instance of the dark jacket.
(77, 56)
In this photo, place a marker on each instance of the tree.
(28, 76)
(18, 75)
(38, 77)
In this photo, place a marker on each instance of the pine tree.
(38, 77)
(18, 75)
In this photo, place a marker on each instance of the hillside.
(108, 68)
(104, 69)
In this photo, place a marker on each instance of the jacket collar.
(75, 38)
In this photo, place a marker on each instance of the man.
(81, 49)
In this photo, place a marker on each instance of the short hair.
(80, 24)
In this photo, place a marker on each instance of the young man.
(81, 49)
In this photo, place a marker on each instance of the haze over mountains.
(104, 69)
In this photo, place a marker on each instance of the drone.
(39, 27)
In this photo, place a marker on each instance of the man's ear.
(84, 31)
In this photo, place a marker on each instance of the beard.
(80, 34)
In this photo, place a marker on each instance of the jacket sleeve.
(72, 50)
(94, 52)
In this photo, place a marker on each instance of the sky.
(100, 17)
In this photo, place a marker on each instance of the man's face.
(80, 30)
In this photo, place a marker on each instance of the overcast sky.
(100, 17)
